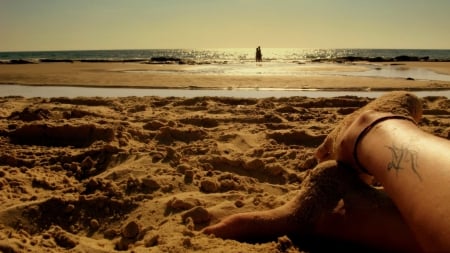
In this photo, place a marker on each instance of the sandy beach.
(301, 76)
(146, 174)
(224, 126)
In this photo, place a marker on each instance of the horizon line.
(215, 48)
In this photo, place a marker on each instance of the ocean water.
(227, 55)
(240, 61)
(306, 69)
(64, 91)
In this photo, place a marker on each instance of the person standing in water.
(258, 54)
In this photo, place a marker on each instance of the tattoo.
(401, 157)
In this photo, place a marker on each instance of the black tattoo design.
(402, 156)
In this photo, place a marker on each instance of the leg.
(400, 103)
(414, 168)
(368, 217)
(364, 219)
(319, 193)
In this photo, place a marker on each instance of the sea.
(230, 55)
(233, 61)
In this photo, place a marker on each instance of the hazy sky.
(141, 24)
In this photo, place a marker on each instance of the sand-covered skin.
(186, 76)
(397, 102)
(146, 174)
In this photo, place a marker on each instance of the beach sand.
(146, 174)
(184, 76)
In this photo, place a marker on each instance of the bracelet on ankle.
(366, 130)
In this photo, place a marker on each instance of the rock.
(188, 176)
(239, 203)
(181, 204)
(254, 164)
(150, 183)
(209, 186)
(94, 224)
(111, 233)
(284, 243)
(406, 58)
(20, 61)
(165, 59)
(274, 169)
(131, 230)
(182, 168)
(198, 214)
(151, 241)
(64, 239)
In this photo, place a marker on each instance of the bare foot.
(319, 194)
(369, 218)
(365, 216)
(398, 103)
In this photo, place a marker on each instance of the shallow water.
(398, 72)
(64, 91)
(306, 69)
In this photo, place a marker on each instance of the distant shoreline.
(180, 61)
(173, 60)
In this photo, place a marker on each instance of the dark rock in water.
(406, 58)
(379, 59)
(184, 61)
(165, 59)
(20, 62)
(351, 58)
(55, 60)
(96, 60)
(133, 60)
(410, 79)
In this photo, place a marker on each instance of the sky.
(27, 25)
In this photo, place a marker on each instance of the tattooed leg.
(398, 103)
(403, 157)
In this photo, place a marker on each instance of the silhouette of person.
(258, 54)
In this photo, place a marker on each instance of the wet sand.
(182, 76)
(145, 174)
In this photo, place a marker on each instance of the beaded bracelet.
(366, 131)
